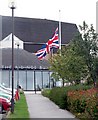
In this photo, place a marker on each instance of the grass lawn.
(20, 109)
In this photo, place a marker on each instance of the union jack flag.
(46, 48)
(53, 42)
(42, 52)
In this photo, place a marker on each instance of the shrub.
(46, 92)
(83, 101)
(91, 103)
(76, 102)
(59, 96)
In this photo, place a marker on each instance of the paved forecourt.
(42, 107)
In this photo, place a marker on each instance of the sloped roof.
(25, 59)
(36, 30)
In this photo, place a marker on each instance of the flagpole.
(59, 30)
(51, 53)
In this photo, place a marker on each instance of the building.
(33, 33)
(28, 70)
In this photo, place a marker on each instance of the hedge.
(59, 96)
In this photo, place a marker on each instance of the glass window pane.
(46, 79)
(5, 77)
(22, 78)
(38, 80)
(30, 80)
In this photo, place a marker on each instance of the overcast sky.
(72, 11)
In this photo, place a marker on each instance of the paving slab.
(41, 107)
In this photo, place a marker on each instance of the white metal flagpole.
(59, 30)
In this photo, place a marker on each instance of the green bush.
(78, 87)
(59, 96)
(46, 92)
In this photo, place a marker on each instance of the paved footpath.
(42, 107)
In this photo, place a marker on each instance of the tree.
(79, 58)
(87, 48)
(75, 66)
(57, 66)
(68, 66)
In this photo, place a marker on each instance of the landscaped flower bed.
(83, 103)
